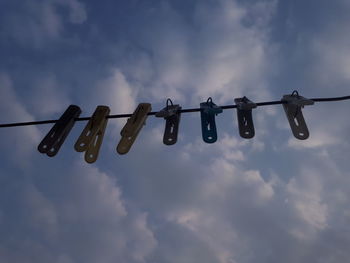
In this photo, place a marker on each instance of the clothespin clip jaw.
(292, 107)
(172, 114)
(91, 138)
(244, 116)
(132, 127)
(208, 112)
(53, 141)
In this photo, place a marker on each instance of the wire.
(117, 116)
(331, 99)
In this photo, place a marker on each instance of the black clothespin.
(91, 138)
(292, 107)
(172, 115)
(208, 111)
(245, 119)
(59, 132)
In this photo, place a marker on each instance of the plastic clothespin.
(132, 127)
(296, 120)
(53, 141)
(208, 111)
(91, 138)
(172, 115)
(245, 119)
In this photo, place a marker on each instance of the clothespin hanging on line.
(91, 138)
(208, 111)
(53, 141)
(295, 117)
(172, 115)
(132, 127)
(244, 116)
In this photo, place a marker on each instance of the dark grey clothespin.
(91, 138)
(245, 119)
(172, 115)
(292, 107)
(59, 132)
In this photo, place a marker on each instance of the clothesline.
(91, 138)
(117, 116)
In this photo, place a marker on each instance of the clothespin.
(245, 119)
(59, 132)
(172, 115)
(292, 107)
(91, 138)
(208, 111)
(132, 127)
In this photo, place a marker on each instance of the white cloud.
(36, 24)
(83, 219)
(77, 11)
(331, 49)
(21, 141)
(192, 201)
(222, 194)
(318, 138)
(306, 195)
(47, 91)
(116, 92)
(227, 51)
(215, 55)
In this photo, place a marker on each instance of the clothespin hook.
(295, 93)
(167, 103)
(209, 100)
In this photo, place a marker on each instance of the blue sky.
(269, 199)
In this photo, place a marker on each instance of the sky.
(269, 199)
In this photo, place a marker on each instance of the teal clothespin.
(208, 111)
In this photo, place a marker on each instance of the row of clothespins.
(91, 138)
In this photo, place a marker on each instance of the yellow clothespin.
(91, 138)
(132, 127)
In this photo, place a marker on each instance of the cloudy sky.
(269, 199)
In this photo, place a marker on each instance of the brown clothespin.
(91, 138)
(132, 127)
